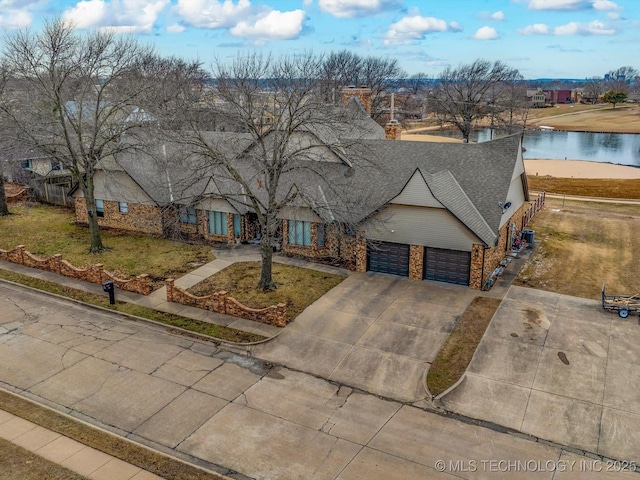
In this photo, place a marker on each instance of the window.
(299, 233)
(99, 208)
(218, 223)
(188, 215)
(320, 235)
(123, 207)
(26, 164)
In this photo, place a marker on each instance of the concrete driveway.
(374, 332)
(560, 368)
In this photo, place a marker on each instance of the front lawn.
(47, 230)
(297, 287)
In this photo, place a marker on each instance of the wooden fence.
(534, 208)
(54, 194)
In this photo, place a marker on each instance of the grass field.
(584, 244)
(584, 187)
(297, 287)
(18, 463)
(47, 230)
(587, 118)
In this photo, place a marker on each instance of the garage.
(387, 257)
(451, 266)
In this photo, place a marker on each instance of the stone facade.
(139, 218)
(361, 254)
(203, 224)
(220, 302)
(363, 94)
(338, 246)
(416, 262)
(484, 260)
(93, 274)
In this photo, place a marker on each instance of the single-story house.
(436, 211)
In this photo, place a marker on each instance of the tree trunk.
(266, 278)
(4, 208)
(92, 216)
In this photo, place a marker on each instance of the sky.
(541, 38)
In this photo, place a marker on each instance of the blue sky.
(542, 38)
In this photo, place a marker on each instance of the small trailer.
(623, 304)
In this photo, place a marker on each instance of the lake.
(620, 148)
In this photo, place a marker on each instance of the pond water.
(619, 148)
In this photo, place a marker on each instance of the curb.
(135, 318)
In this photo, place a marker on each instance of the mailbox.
(109, 288)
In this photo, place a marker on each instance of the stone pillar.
(477, 263)
(416, 262)
(392, 130)
(169, 283)
(361, 254)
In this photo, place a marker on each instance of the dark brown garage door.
(385, 257)
(451, 266)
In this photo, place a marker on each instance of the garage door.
(386, 257)
(451, 266)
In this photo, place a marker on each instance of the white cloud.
(535, 29)
(605, 5)
(212, 13)
(592, 28)
(131, 16)
(306, 3)
(275, 25)
(416, 27)
(600, 5)
(486, 33)
(17, 13)
(175, 28)
(14, 18)
(357, 8)
(498, 16)
(559, 4)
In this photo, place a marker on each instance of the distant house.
(555, 97)
(438, 211)
(537, 98)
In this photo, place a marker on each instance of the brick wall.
(363, 94)
(393, 131)
(203, 224)
(140, 218)
(220, 302)
(93, 274)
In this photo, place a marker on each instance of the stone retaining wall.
(20, 197)
(93, 274)
(220, 302)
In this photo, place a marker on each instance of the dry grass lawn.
(583, 245)
(587, 118)
(297, 287)
(47, 230)
(456, 353)
(604, 188)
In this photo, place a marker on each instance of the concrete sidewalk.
(66, 452)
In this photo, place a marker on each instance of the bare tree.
(463, 94)
(280, 161)
(73, 98)
(594, 88)
(4, 208)
(620, 79)
(344, 68)
(512, 104)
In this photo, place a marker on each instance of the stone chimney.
(392, 130)
(363, 94)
